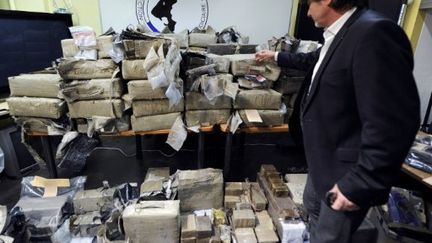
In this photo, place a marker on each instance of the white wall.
(423, 65)
(258, 19)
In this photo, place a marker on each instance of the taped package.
(198, 101)
(200, 189)
(222, 63)
(152, 221)
(36, 107)
(244, 218)
(152, 123)
(69, 48)
(36, 124)
(222, 49)
(89, 108)
(138, 49)
(93, 89)
(70, 69)
(265, 235)
(258, 99)
(244, 64)
(133, 69)
(155, 107)
(154, 179)
(202, 39)
(245, 235)
(86, 201)
(142, 90)
(269, 118)
(86, 225)
(35, 85)
(104, 45)
(182, 38)
(207, 117)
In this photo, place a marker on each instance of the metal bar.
(138, 146)
(49, 158)
(200, 161)
(227, 160)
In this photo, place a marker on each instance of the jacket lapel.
(337, 40)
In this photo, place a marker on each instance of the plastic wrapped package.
(85, 39)
(88, 108)
(222, 63)
(36, 107)
(401, 210)
(243, 64)
(104, 45)
(35, 85)
(69, 48)
(142, 90)
(74, 153)
(106, 125)
(86, 225)
(151, 123)
(174, 93)
(133, 70)
(86, 201)
(269, 118)
(198, 101)
(200, 189)
(28, 190)
(44, 215)
(420, 157)
(245, 235)
(93, 89)
(258, 99)
(155, 107)
(207, 117)
(152, 221)
(202, 38)
(71, 69)
(142, 47)
(182, 38)
(155, 68)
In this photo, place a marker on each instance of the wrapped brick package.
(155, 107)
(198, 101)
(35, 85)
(200, 189)
(104, 45)
(207, 117)
(69, 48)
(151, 123)
(133, 70)
(242, 64)
(182, 38)
(269, 118)
(142, 90)
(222, 63)
(258, 99)
(152, 221)
(201, 39)
(92, 89)
(36, 107)
(90, 108)
(82, 69)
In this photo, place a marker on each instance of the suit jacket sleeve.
(388, 107)
(300, 61)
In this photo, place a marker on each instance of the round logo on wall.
(158, 14)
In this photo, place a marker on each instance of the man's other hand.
(265, 55)
(341, 203)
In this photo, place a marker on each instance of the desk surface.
(417, 174)
(131, 133)
(273, 129)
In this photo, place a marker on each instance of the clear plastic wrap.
(85, 38)
(154, 66)
(420, 154)
(177, 135)
(173, 94)
(212, 88)
(28, 190)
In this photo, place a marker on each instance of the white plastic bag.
(85, 39)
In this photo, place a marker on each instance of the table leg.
(138, 146)
(227, 160)
(200, 161)
(49, 158)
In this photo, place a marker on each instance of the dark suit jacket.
(362, 113)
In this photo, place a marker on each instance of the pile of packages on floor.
(143, 81)
(188, 206)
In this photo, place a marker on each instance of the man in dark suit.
(358, 111)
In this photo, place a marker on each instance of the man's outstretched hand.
(264, 55)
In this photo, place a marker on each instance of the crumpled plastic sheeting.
(52, 127)
(177, 135)
(234, 122)
(92, 89)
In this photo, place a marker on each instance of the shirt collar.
(334, 28)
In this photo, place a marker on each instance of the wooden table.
(242, 130)
(52, 167)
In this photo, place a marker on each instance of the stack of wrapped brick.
(92, 89)
(200, 39)
(152, 110)
(35, 102)
(257, 106)
(208, 101)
